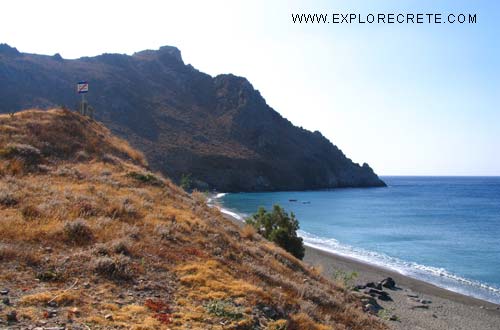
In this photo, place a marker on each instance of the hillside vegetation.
(219, 130)
(91, 239)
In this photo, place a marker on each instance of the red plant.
(163, 318)
(161, 310)
(195, 252)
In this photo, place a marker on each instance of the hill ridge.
(219, 130)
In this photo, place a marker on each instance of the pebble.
(51, 313)
(108, 317)
(75, 310)
(6, 301)
(4, 292)
(370, 308)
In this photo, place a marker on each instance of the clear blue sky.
(408, 99)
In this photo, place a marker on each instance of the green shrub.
(146, 177)
(223, 308)
(186, 182)
(116, 268)
(279, 227)
(345, 278)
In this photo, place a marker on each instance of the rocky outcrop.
(219, 130)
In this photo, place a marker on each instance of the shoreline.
(412, 281)
(447, 309)
(366, 270)
(444, 309)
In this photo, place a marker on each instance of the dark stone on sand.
(388, 283)
(380, 294)
(377, 286)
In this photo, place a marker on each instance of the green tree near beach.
(279, 227)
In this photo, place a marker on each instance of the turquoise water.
(443, 230)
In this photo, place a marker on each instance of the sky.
(409, 99)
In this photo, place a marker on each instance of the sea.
(442, 230)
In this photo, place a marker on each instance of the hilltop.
(219, 130)
(92, 239)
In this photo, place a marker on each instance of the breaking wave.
(434, 275)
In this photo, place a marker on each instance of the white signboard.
(82, 87)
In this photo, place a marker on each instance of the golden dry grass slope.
(90, 239)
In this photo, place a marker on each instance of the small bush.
(123, 209)
(186, 182)
(346, 279)
(8, 199)
(199, 197)
(14, 166)
(108, 158)
(77, 232)
(101, 249)
(30, 212)
(85, 208)
(117, 268)
(66, 171)
(49, 275)
(82, 155)
(146, 177)
(223, 308)
(280, 228)
(164, 231)
(8, 253)
(29, 154)
(387, 315)
(248, 232)
(121, 247)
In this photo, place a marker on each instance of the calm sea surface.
(443, 230)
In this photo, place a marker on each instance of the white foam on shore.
(434, 275)
(233, 214)
(212, 197)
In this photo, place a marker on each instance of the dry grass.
(248, 232)
(74, 211)
(62, 298)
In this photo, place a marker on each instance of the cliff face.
(219, 130)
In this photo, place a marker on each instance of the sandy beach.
(446, 310)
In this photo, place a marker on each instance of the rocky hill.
(218, 129)
(92, 239)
